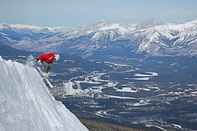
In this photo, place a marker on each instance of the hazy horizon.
(77, 13)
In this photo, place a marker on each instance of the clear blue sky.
(72, 13)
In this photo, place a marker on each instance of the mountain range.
(105, 39)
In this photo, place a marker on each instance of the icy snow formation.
(27, 105)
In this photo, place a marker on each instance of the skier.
(47, 59)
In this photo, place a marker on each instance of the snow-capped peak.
(27, 27)
(20, 26)
(118, 27)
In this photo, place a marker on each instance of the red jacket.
(47, 57)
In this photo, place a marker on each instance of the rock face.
(27, 105)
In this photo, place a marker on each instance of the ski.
(45, 77)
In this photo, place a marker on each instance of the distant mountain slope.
(106, 39)
(6, 50)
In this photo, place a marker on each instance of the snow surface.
(27, 105)
(126, 89)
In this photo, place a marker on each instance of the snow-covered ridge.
(107, 26)
(159, 39)
(27, 27)
(104, 26)
(27, 105)
(20, 26)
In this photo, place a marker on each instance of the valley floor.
(101, 126)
